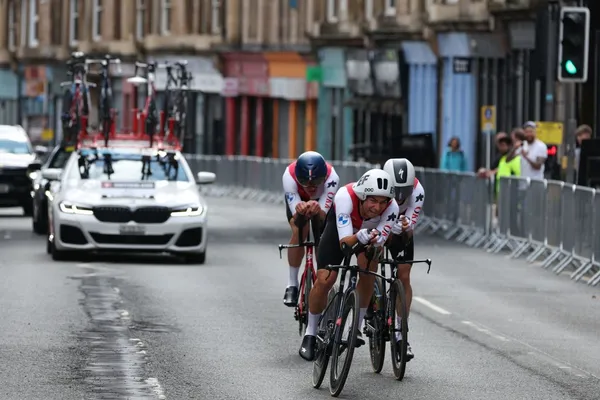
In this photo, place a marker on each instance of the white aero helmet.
(402, 173)
(374, 182)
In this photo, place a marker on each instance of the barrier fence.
(550, 222)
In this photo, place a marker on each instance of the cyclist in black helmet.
(309, 183)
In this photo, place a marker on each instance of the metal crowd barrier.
(546, 221)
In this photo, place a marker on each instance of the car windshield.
(14, 147)
(128, 166)
(60, 158)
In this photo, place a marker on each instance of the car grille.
(14, 176)
(147, 240)
(142, 215)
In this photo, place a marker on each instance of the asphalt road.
(482, 327)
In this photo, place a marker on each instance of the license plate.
(132, 230)
(4, 188)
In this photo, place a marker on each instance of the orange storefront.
(294, 104)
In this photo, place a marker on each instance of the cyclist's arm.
(343, 217)
(330, 188)
(416, 205)
(290, 187)
(388, 218)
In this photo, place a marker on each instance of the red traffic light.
(552, 150)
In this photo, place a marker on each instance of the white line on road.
(429, 304)
(156, 387)
(486, 331)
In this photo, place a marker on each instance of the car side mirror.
(52, 174)
(34, 166)
(204, 178)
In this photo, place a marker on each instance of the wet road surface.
(482, 326)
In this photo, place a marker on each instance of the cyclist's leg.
(295, 256)
(365, 287)
(328, 253)
(403, 243)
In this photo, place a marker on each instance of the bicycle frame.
(300, 312)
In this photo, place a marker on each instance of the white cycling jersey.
(413, 206)
(348, 219)
(295, 193)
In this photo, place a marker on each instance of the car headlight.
(70, 208)
(189, 211)
(33, 175)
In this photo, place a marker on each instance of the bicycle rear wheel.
(324, 340)
(376, 327)
(350, 313)
(397, 306)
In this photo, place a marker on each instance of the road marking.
(156, 388)
(429, 304)
(486, 331)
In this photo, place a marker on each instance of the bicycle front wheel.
(324, 339)
(376, 327)
(344, 341)
(397, 306)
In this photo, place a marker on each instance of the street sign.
(488, 119)
(549, 132)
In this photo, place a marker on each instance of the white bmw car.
(127, 199)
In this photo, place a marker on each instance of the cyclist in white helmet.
(363, 212)
(409, 196)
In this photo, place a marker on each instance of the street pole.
(569, 130)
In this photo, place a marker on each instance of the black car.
(16, 154)
(41, 180)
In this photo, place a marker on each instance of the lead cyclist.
(410, 195)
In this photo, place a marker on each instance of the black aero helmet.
(311, 169)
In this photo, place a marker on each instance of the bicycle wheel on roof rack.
(181, 118)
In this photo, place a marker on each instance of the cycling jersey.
(413, 206)
(295, 193)
(348, 219)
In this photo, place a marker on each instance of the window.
(12, 26)
(34, 20)
(8, 146)
(73, 22)
(140, 19)
(97, 20)
(216, 17)
(332, 10)
(368, 10)
(390, 8)
(165, 17)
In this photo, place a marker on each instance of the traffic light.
(573, 47)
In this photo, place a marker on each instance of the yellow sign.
(47, 134)
(549, 132)
(488, 119)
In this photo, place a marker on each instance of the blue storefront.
(334, 120)
(465, 88)
(422, 88)
(9, 110)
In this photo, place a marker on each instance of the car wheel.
(39, 226)
(58, 255)
(28, 208)
(198, 258)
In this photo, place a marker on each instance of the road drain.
(115, 359)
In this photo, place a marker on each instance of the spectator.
(533, 153)
(454, 159)
(505, 167)
(488, 173)
(584, 132)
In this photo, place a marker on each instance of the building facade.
(271, 107)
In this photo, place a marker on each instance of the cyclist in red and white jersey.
(410, 195)
(363, 212)
(309, 184)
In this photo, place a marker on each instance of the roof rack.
(136, 138)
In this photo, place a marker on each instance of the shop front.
(205, 115)
(334, 120)
(246, 89)
(294, 119)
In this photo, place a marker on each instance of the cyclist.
(363, 212)
(409, 196)
(309, 184)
